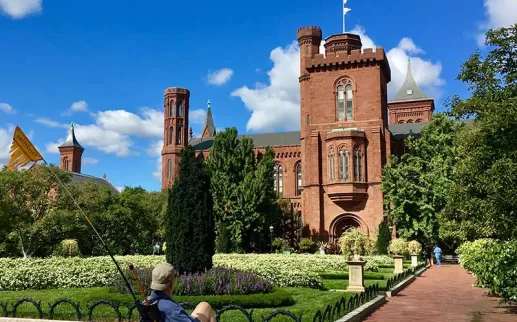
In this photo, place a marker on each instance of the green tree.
(383, 238)
(482, 202)
(416, 186)
(243, 191)
(190, 231)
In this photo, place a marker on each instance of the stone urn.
(414, 260)
(322, 251)
(355, 275)
(399, 264)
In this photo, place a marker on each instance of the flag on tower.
(345, 9)
(22, 151)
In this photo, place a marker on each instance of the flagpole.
(343, 22)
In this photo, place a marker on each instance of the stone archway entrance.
(344, 222)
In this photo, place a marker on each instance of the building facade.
(331, 169)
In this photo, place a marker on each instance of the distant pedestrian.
(438, 255)
(156, 249)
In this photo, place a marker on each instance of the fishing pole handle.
(138, 283)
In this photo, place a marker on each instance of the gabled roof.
(410, 90)
(209, 126)
(80, 178)
(71, 141)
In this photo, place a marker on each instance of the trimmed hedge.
(344, 276)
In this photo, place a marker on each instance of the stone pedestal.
(414, 260)
(322, 252)
(355, 275)
(399, 264)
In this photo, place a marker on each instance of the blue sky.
(104, 65)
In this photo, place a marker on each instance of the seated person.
(162, 286)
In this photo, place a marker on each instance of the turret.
(71, 153)
(309, 40)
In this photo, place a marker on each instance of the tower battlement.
(176, 90)
(310, 32)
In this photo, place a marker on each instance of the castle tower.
(208, 127)
(175, 136)
(344, 135)
(411, 104)
(71, 153)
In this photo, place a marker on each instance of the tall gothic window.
(275, 176)
(332, 166)
(178, 135)
(280, 180)
(169, 168)
(349, 102)
(180, 109)
(298, 179)
(171, 135)
(358, 165)
(344, 165)
(340, 103)
(171, 109)
(308, 119)
(65, 163)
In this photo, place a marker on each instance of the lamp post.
(271, 237)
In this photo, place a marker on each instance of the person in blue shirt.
(162, 285)
(438, 255)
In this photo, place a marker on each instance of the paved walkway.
(443, 294)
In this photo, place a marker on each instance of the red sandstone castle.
(330, 170)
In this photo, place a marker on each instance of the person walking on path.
(438, 255)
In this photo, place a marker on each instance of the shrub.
(414, 247)
(383, 238)
(398, 246)
(67, 248)
(306, 245)
(280, 244)
(217, 281)
(354, 242)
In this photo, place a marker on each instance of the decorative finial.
(104, 176)
(72, 125)
(208, 103)
(190, 133)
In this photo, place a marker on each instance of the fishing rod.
(95, 230)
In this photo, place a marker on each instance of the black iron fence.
(330, 313)
(402, 276)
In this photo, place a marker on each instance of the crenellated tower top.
(309, 40)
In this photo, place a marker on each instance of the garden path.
(445, 294)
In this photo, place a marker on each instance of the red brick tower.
(344, 136)
(411, 104)
(71, 153)
(175, 136)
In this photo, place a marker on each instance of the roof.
(410, 90)
(209, 122)
(80, 178)
(71, 141)
(399, 131)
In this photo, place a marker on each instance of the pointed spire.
(410, 90)
(71, 140)
(209, 127)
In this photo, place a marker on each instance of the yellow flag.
(22, 151)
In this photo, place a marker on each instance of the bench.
(450, 259)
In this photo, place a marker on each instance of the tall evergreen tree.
(383, 238)
(189, 230)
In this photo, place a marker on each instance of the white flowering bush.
(414, 247)
(398, 246)
(293, 270)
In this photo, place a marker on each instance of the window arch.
(171, 135)
(171, 109)
(401, 122)
(358, 164)
(344, 164)
(344, 100)
(180, 109)
(299, 179)
(409, 121)
(418, 121)
(169, 168)
(280, 180)
(332, 165)
(178, 135)
(66, 163)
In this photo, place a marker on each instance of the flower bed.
(281, 270)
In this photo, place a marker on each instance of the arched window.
(308, 119)
(178, 136)
(401, 122)
(171, 109)
(418, 121)
(180, 109)
(307, 51)
(344, 165)
(409, 121)
(275, 176)
(298, 179)
(358, 165)
(169, 168)
(340, 103)
(349, 102)
(171, 135)
(332, 166)
(65, 163)
(280, 180)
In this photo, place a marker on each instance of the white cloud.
(89, 161)
(6, 138)
(219, 77)
(155, 150)
(499, 14)
(6, 108)
(120, 189)
(124, 122)
(79, 106)
(197, 116)
(276, 106)
(18, 9)
(50, 123)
